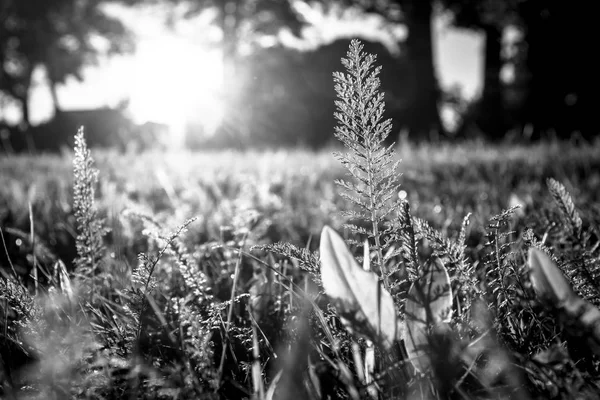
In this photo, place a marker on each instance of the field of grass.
(467, 271)
(244, 199)
(293, 192)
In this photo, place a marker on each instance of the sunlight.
(175, 82)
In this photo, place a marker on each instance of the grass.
(293, 192)
(231, 304)
(295, 188)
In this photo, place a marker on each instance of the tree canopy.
(554, 81)
(63, 36)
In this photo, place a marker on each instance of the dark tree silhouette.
(490, 18)
(288, 97)
(562, 67)
(422, 118)
(60, 35)
(425, 93)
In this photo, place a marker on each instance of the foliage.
(61, 36)
(370, 162)
(90, 228)
(232, 304)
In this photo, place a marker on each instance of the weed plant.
(440, 286)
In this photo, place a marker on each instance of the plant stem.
(236, 275)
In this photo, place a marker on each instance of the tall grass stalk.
(369, 160)
(90, 227)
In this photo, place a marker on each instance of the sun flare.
(176, 83)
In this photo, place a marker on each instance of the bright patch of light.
(176, 82)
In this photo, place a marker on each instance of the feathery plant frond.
(409, 242)
(564, 275)
(500, 243)
(503, 278)
(465, 271)
(497, 238)
(143, 279)
(565, 203)
(192, 310)
(16, 303)
(90, 227)
(531, 241)
(454, 252)
(462, 237)
(441, 245)
(584, 270)
(371, 163)
(307, 260)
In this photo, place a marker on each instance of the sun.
(176, 82)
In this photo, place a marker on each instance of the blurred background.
(258, 73)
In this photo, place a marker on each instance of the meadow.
(210, 274)
(293, 191)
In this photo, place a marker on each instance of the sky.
(141, 77)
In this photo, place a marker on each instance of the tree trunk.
(562, 68)
(422, 117)
(25, 125)
(54, 94)
(490, 114)
(541, 103)
(25, 114)
(51, 78)
(229, 20)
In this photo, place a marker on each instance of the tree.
(291, 99)
(422, 118)
(426, 94)
(562, 67)
(60, 35)
(241, 22)
(490, 18)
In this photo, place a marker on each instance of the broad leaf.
(428, 306)
(547, 280)
(363, 305)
